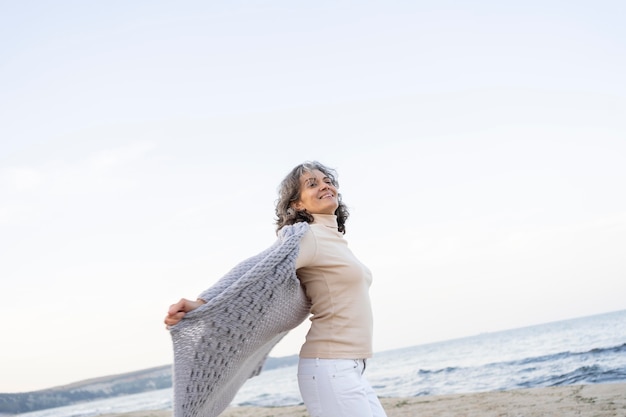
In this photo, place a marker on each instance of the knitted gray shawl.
(221, 344)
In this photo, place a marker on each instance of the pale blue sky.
(481, 149)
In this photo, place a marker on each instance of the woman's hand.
(177, 311)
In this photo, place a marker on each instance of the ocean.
(587, 350)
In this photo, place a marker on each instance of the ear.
(297, 205)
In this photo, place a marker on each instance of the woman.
(333, 357)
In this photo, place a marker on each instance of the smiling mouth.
(327, 196)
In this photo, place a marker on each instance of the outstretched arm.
(177, 311)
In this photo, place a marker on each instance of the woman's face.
(318, 195)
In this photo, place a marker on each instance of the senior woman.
(333, 358)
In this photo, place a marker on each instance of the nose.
(325, 186)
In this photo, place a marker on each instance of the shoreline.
(587, 400)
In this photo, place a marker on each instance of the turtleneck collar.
(328, 220)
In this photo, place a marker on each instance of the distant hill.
(104, 387)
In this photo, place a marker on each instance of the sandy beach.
(598, 400)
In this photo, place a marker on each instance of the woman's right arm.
(177, 311)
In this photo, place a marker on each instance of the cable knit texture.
(221, 344)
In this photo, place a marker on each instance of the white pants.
(337, 388)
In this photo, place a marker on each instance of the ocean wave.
(448, 369)
(595, 352)
(597, 365)
(593, 374)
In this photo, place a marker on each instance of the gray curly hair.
(289, 191)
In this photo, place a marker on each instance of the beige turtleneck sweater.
(337, 284)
